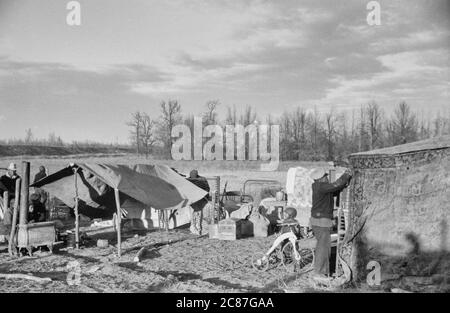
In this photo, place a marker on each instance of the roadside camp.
(394, 213)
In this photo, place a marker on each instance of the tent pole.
(5, 202)
(119, 222)
(11, 242)
(166, 220)
(77, 216)
(212, 210)
(24, 193)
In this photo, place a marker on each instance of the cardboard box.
(232, 229)
(213, 231)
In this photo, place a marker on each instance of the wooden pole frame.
(5, 202)
(24, 193)
(118, 222)
(12, 239)
(77, 215)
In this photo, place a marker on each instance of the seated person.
(36, 210)
(289, 223)
(290, 231)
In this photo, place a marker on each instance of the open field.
(12, 150)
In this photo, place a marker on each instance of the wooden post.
(11, 242)
(47, 206)
(166, 220)
(5, 202)
(77, 215)
(119, 222)
(213, 208)
(24, 193)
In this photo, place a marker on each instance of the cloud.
(423, 39)
(269, 54)
(186, 80)
(77, 104)
(407, 75)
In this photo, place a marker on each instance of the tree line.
(307, 135)
(54, 140)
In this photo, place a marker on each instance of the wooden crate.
(232, 229)
(36, 235)
(213, 231)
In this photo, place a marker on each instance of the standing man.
(322, 216)
(197, 207)
(8, 181)
(41, 174)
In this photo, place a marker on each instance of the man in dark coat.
(41, 174)
(8, 181)
(197, 207)
(323, 193)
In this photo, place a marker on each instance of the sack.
(243, 212)
(260, 224)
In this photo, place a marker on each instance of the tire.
(305, 263)
(259, 263)
(269, 262)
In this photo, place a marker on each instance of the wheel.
(261, 262)
(288, 260)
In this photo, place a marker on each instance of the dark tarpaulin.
(150, 185)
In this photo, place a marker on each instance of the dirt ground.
(174, 261)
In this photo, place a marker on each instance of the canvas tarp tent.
(142, 188)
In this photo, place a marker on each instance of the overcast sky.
(82, 82)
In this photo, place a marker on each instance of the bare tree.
(442, 123)
(170, 116)
(330, 133)
(286, 135)
(29, 136)
(424, 127)
(231, 118)
(374, 116)
(343, 144)
(52, 139)
(362, 129)
(314, 125)
(210, 115)
(298, 122)
(404, 124)
(147, 136)
(248, 116)
(136, 124)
